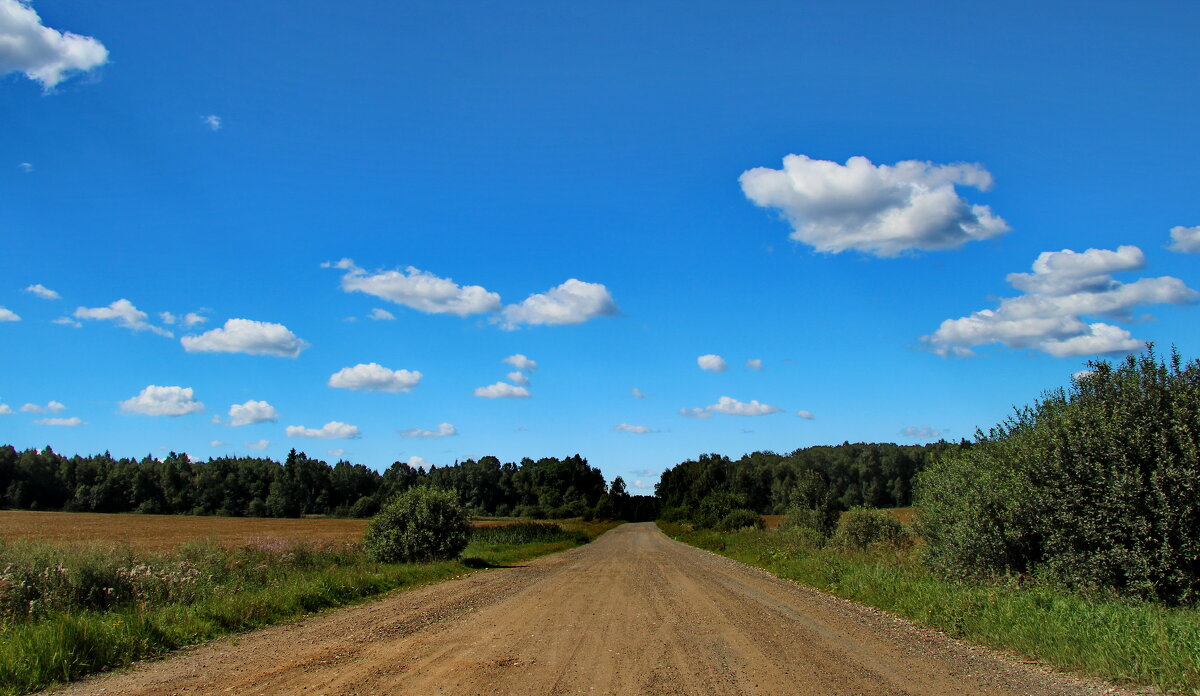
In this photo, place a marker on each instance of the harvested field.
(163, 532)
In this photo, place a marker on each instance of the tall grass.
(1115, 639)
(73, 611)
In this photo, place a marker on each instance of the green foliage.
(524, 533)
(740, 519)
(716, 506)
(820, 521)
(859, 528)
(1097, 486)
(420, 524)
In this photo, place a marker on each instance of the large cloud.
(443, 430)
(331, 430)
(1185, 240)
(882, 210)
(573, 302)
(42, 53)
(374, 377)
(124, 313)
(246, 336)
(163, 401)
(252, 412)
(502, 390)
(1064, 287)
(420, 290)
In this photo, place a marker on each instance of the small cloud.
(331, 430)
(193, 318)
(67, 321)
(123, 313)
(8, 315)
(252, 412)
(417, 289)
(43, 292)
(1185, 240)
(1082, 374)
(573, 302)
(806, 415)
(732, 407)
(418, 462)
(247, 337)
(502, 390)
(712, 363)
(518, 378)
(64, 422)
(922, 432)
(5, 410)
(336, 452)
(212, 121)
(637, 393)
(163, 401)
(521, 362)
(381, 315)
(443, 430)
(25, 167)
(754, 364)
(638, 429)
(373, 377)
(166, 317)
(51, 407)
(43, 54)
(217, 443)
(694, 413)
(260, 445)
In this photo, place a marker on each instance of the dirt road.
(632, 613)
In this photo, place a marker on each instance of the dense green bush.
(819, 520)
(861, 527)
(740, 519)
(1095, 486)
(715, 507)
(421, 524)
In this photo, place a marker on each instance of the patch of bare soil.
(631, 613)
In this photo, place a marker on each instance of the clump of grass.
(525, 532)
(1112, 638)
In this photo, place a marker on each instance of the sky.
(639, 232)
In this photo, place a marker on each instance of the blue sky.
(837, 190)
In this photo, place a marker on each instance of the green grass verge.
(1116, 640)
(67, 646)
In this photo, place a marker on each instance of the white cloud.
(71, 422)
(5, 410)
(213, 121)
(43, 54)
(924, 432)
(163, 401)
(418, 462)
(502, 390)
(521, 362)
(637, 393)
(732, 407)
(252, 412)
(882, 210)
(336, 452)
(806, 415)
(573, 302)
(418, 289)
(249, 337)
(712, 363)
(26, 167)
(66, 321)
(519, 379)
(8, 315)
(638, 429)
(167, 317)
(1185, 240)
(1082, 374)
(443, 430)
(694, 413)
(50, 407)
(331, 430)
(260, 445)
(217, 443)
(381, 315)
(43, 292)
(373, 377)
(124, 313)
(193, 318)
(754, 364)
(1063, 287)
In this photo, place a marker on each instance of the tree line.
(261, 487)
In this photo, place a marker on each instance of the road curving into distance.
(631, 613)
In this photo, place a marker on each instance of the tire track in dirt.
(631, 613)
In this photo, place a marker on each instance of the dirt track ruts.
(631, 613)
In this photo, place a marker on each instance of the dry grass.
(166, 532)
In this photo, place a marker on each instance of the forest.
(261, 487)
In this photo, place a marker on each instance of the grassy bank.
(94, 609)
(1116, 640)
